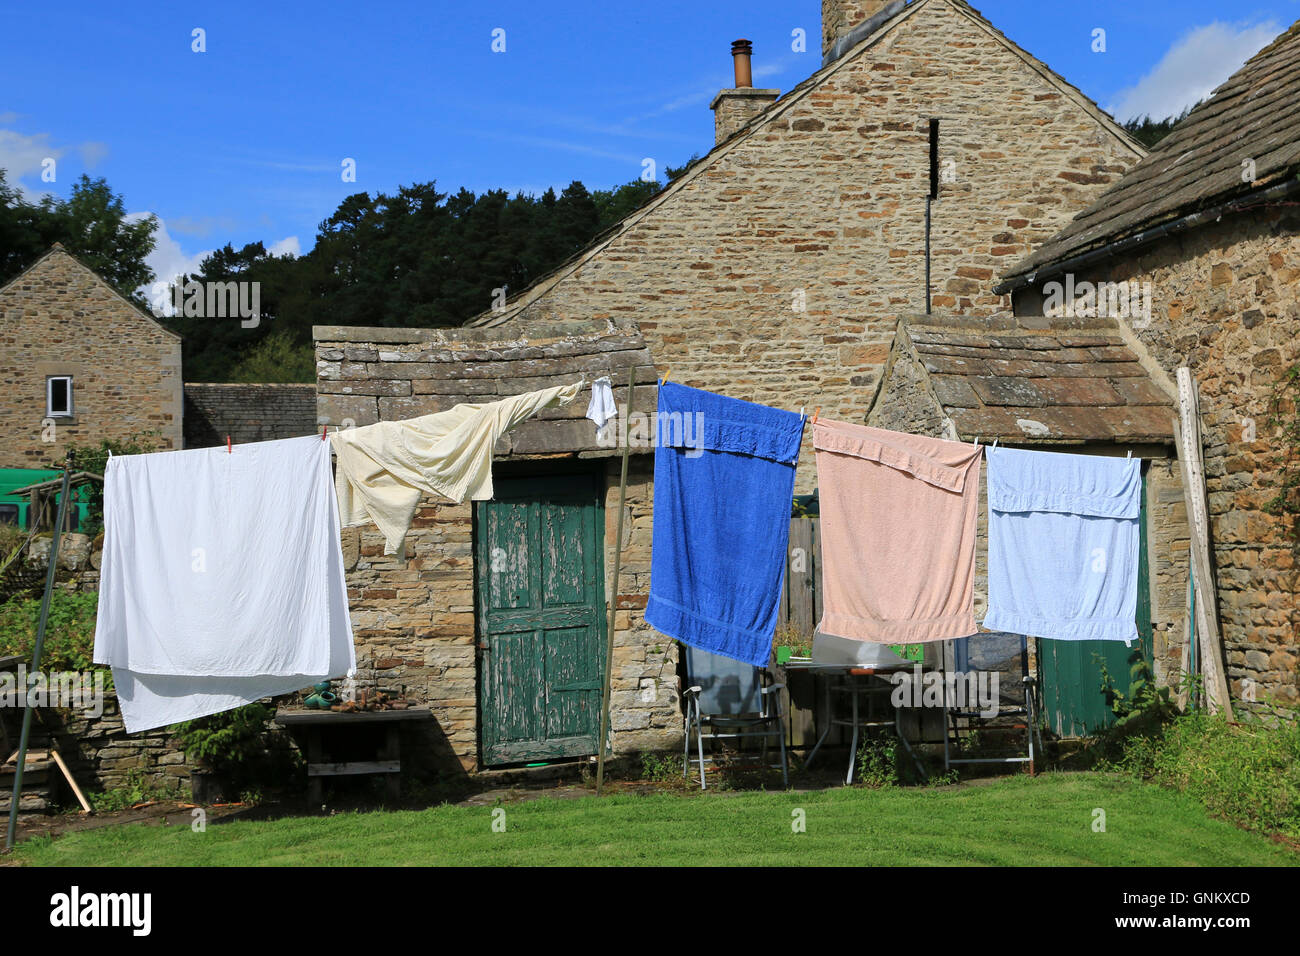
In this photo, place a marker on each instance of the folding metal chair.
(729, 700)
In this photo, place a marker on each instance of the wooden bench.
(317, 723)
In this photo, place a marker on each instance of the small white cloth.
(222, 579)
(601, 409)
(384, 468)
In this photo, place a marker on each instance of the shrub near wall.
(1248, 772)
(69, 634)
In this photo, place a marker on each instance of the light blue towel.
(1063, 545)
(724, 484)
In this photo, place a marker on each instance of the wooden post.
(1187, 434)
(613, 587)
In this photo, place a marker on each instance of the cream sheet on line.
(384, 468)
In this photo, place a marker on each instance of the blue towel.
(724, 482)
(1063, 545)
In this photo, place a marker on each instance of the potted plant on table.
(789, 642)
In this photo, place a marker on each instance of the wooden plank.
(801, 578)
(1187, 434)
(300, 718)
(67, 775)
(353, 767)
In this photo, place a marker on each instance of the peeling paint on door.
(541, 619)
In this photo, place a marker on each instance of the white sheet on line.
(222, 579)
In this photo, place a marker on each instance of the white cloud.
(92, 153)
(169, 261)
(1194, 66)
(23, 155)
(288, 246)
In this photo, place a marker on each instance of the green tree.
(277, 358)
(91, 223)
(1149, 132)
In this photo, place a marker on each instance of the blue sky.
(245, 141)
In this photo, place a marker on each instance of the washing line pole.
(613, 587)
(57, 532)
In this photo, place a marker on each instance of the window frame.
(49, 397)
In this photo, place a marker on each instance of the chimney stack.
(734, 108)
(841, 16)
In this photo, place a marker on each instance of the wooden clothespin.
(229, 451)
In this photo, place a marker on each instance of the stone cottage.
(80, 363)
(1206, 229)
(776, 268)
(925, 152)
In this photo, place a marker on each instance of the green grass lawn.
(1043, 821)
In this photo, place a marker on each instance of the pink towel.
(898, 518)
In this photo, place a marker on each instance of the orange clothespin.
(816, 411)
(664, 376)
(228, 448)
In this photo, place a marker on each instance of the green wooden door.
(1071, 671)
(541, 620)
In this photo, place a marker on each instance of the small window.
(9, 514)
(58, 396)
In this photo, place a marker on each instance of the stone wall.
(775, 270)
(1226, 303)
(247, 413)
(103, 756)
(60, 318)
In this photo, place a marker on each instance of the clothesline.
(190, 534)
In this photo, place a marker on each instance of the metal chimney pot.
(741, 51)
